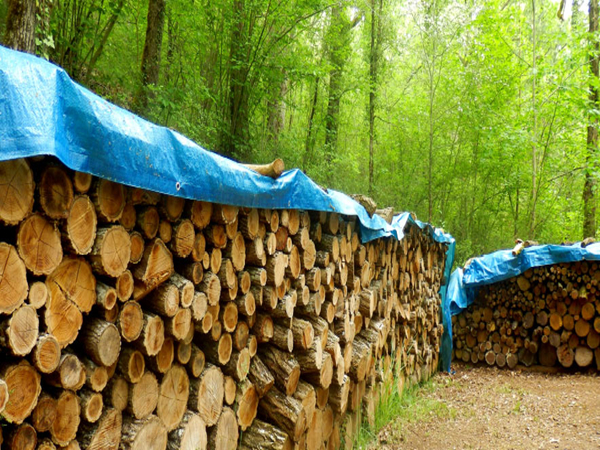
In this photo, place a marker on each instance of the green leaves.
(454, 93)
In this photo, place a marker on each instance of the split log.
(183, 239)
(111, 251)
(109, 199)
(105, 435)
(96, 377)
(16, 191)
(196, 363)
(91, 405)
(102, 341)
(224, 435)
(145, 434)
(190, 435)
(246, 404)
(143, 396)
(131, 364)
(56, 192)
(206, 394)
(44, 414)
(137, 247)
(229, 387)
(173, 397)
(19, 332)
(23, 437)
(80, 228)
(200, 214)
(153, 335)
(130, 321)
(163, 360)
(64, 427)
(39, 245)
(70, 374)
(62, 318)
(116, 393)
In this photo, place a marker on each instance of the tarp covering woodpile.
(154, 294)
(535, 305)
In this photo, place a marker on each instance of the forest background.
(478, 116)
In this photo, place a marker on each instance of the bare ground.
(488, 408)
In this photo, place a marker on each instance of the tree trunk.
(589, 188)
(20, 25)
(152, 48)
(234, 139)
(373, 73)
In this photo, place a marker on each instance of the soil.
(489, 408)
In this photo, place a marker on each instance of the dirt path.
(487, 408)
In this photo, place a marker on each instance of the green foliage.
(481, 111)
(413, 405)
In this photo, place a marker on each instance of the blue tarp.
(44, 112)
(502, 265)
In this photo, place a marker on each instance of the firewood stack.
(135, 320)
(549, 316)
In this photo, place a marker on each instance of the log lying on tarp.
(273, 169)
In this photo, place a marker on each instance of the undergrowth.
(413, 405)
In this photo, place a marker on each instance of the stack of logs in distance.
(549, 316)
(136, 320)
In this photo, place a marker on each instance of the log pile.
(135, 320)
(548, 316)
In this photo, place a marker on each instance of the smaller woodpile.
(134, 320)
(549, 316)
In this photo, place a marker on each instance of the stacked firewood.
(136, 320)
(549, 315)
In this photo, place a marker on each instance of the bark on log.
(286, 412)
(264, 436)
(284, 368)
(91, 405)
(102, 341)
(260, 376)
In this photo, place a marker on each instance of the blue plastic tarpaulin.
(44, 112)
(502, 265)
